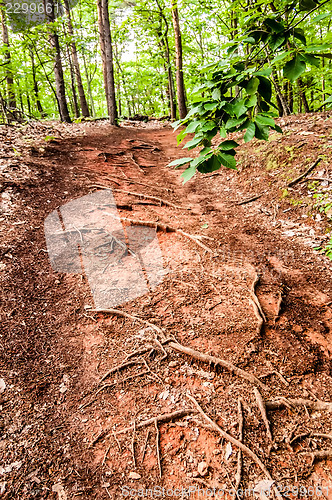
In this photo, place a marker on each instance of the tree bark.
(303, 96)
(76, 64)
(35, 84)
(107, 59)
(58, 71)
(181, 95)
(8, 67)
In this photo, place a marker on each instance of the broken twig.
(157, 447)
(238, 473)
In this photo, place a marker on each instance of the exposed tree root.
(262, 409)
(150, 197)
(289, 403)
(129, 316)
(300, 177)
(258, 316)
(166, 417)
(238, 473)
(234, 441)
(254, 198)
(212, 360)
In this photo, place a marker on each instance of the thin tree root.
(289, 403)
(117, 312)
(150, 197)
(212, 360)
(133, 444)
(234, 441)
(255, 298)
(262, 409)
(258, 316)
(253, 198)
(118, 368)
(157, 447)
(145, 445)
(238, 473)
(279, 305)
(166, 417)
(300, 177)
(166, 228)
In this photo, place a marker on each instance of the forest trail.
(55, 350)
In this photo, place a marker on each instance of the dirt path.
(54, 351)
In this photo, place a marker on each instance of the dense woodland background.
(120, 59)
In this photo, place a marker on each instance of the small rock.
(133, 475)
(173, 364)
(2, 487)
(216, 452)
(202, 468)
(59, 489)
(228, 451)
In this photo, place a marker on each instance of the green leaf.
(216, 94)
(180, 136)
(210, 165)
(251, 101)
(281, 57)
(226, 145)
(250, 133)
(223, 132)
(239, 108)
(307, 4)
(274, 25)
(310, 59)
(211, 106)
(210, 125)
(263, 72)
(299, 34)
(188, 174)
(227, 160)
(262, 132)
(276, 41)
(318, 48)
(234, 122)
(265, 88)
(321, 17)
(294, 68)
(193, 126)
(197, 109)
(179, 162)
(194, 142)
(252, 86)
(264, 120)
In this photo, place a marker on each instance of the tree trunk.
(107, 59)
(76, 64)
(35, 84)
(181, 95)
(303, 96)
(88, 80)
(8, 67)
(58, 71)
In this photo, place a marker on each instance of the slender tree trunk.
(58, 71)
(181, 95)
(303, 96)
(8, 65)
(35, 84)
(107, 59)
(93, 111)
(76, 64)
(72, 83)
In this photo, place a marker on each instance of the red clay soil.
(60, 434)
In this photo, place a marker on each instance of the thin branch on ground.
(254, 198)
(234, 441)
(157, 447)
(300, 177)
(262, 409)
(212, 360)
(105, 456)
(238, 473)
